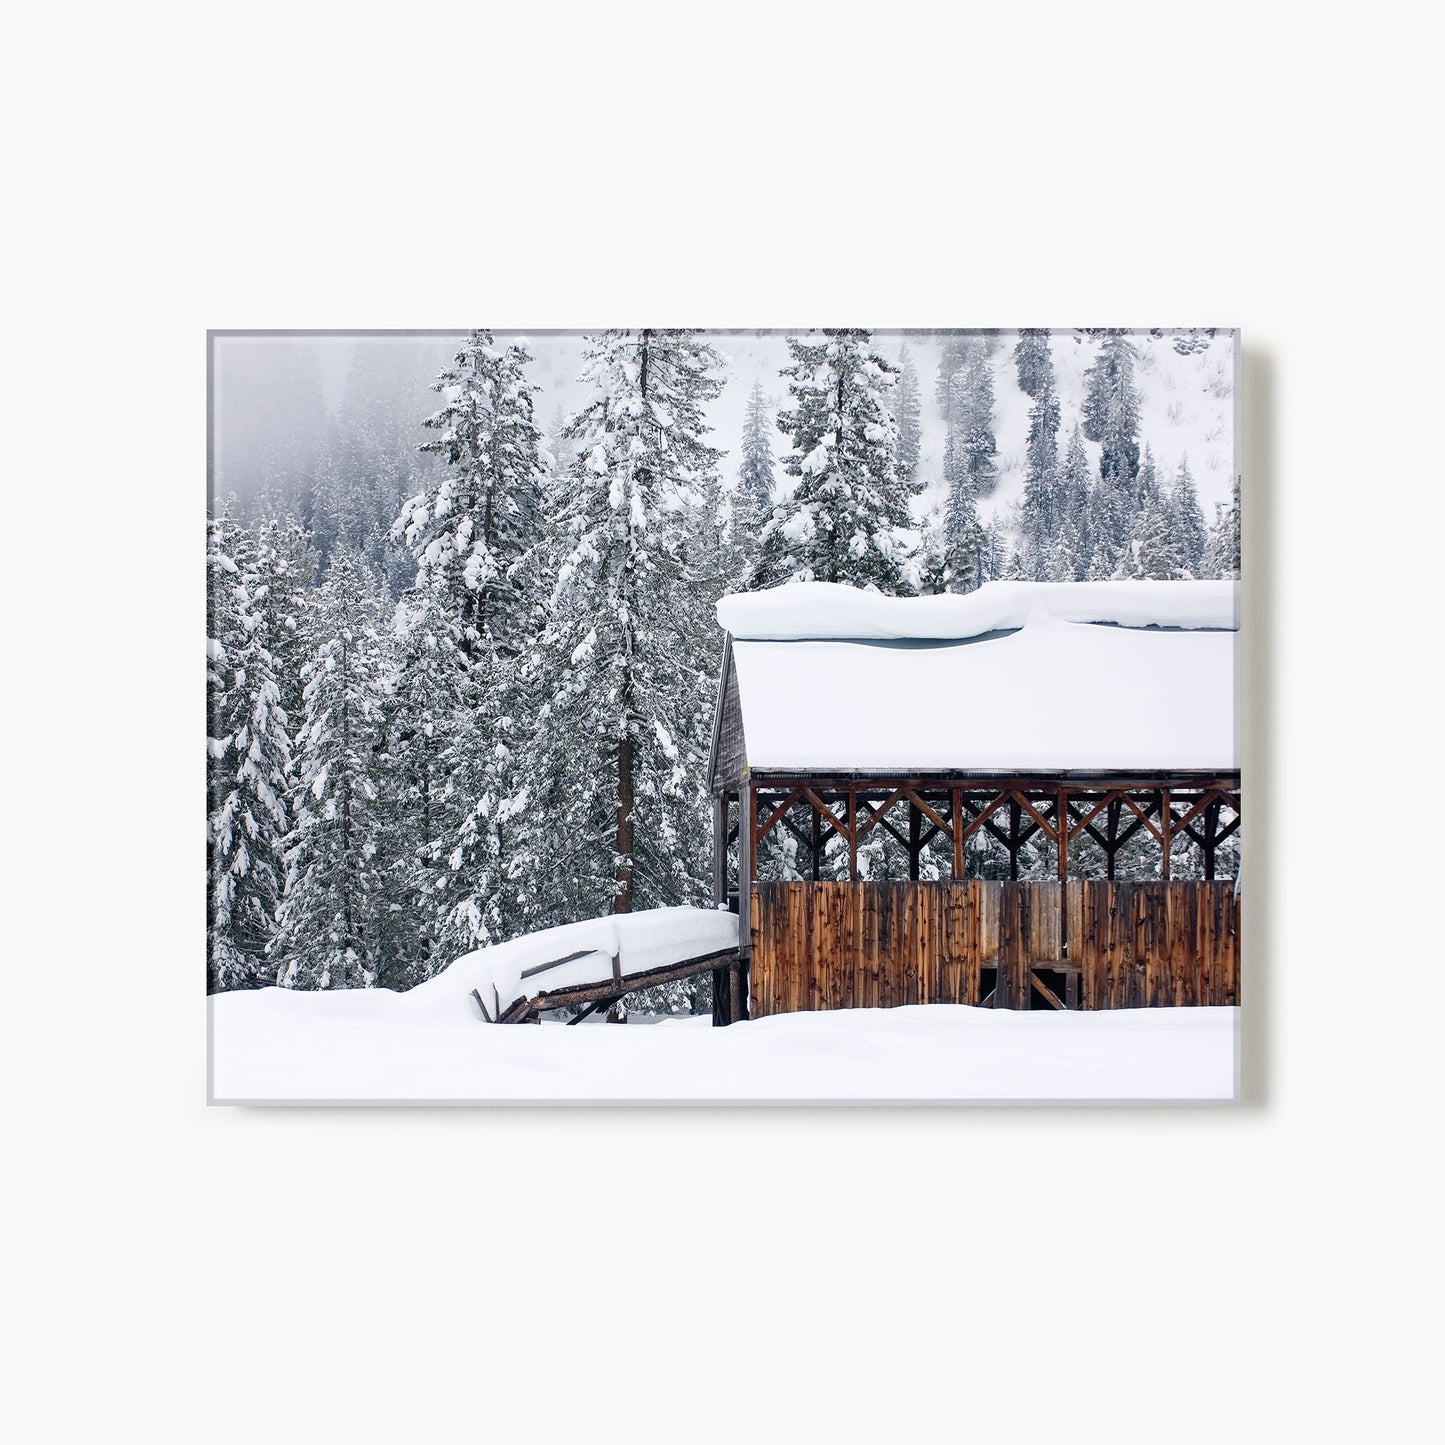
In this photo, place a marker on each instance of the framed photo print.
(648, 715)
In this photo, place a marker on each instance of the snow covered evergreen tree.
(974, 442)
(329, 933)
(423, 776)
(471, 531)
(1155, 552)
(1111, 408)
(1035, 362)
(966, 398)
(1225, 548)
(1060, 566)
(325, 519)
(1146, 486)
(1045, 502)
(285, 573)
(1075, 483)
(848, 518)
(617, 763)
(908, 413)
(248, 769)
(1186, 521)
(962, 539)
(757, 488)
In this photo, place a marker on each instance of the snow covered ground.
(364, 1046)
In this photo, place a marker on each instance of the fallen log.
(602, 992)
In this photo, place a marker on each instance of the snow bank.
(652, 938)
(326, 1048)
(830, 610)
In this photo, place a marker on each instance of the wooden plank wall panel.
(1044, 938)
(1155, 944)
(877, 945)
(949, 978)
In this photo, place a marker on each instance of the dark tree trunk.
(623, 901)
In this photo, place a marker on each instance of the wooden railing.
(1081, 944)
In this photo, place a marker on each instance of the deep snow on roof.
(827, 609)
(1017, 677)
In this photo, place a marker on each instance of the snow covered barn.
(1019, 797)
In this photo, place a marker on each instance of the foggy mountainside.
(462, 652)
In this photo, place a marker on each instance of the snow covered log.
(581, 963)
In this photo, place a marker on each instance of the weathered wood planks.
(880, 945)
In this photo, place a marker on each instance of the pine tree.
(1186, 519)
(1111, 408)
(286, 567)
(562, 448)
(756, 489)
(475, 900)
(423, 784)
(1146, 487)
(930, 560)
(1045, 506)
(962, 536)
(1225, 548)
(471, 532)
(1035, 362)
(248, 768)
(1156, 554)
(325, 515)
(329, 933)
(976, 442)
(908, 413)
(620, 748)
(1075, 484)
(847, 519)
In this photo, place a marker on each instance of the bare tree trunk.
(623, 902)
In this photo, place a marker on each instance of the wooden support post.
(915, 829)
(720, 849)
(852, 835)
(1013, 840)
(817, 842)
(1211, 827)
(1115, 809)
(747, 857)
(752, 827)
(1165, 818)
(956, 804)
(1061, 824)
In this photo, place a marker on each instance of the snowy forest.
(462, 653)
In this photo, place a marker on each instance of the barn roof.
(1018, 677)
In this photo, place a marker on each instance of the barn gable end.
(729, 759)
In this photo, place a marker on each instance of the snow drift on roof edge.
(831, 610)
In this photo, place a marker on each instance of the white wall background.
(1263, 1273)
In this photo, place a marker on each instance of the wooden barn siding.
(732, 748)
(879, 945)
